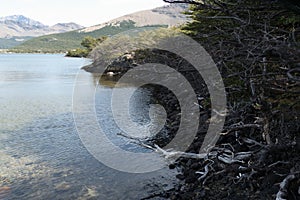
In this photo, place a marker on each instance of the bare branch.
(292, 77)
(236, 128)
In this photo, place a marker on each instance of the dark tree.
(255, 44)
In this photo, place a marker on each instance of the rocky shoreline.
(256, 157)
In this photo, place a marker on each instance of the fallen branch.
(137, 141)
(173, 155)
(205, 173)
(234, 158)
(225, 155)
(169, 155)
(281, 195)
(277, 163)
(236, 128)
(253, 142)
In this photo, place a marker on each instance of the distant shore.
(9, 51)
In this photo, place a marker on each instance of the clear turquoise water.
(41, 155)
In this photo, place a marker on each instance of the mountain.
(170, 15)
(19, 22)
(19, 26)
(16, 29)
(64, 27)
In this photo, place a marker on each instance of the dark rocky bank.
(257, 152)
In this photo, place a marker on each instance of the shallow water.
(41, 154)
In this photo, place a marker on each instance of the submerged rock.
(4, 191)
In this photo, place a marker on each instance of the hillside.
(170, 15)
(72, 40)
(6, 43)
(148, 19)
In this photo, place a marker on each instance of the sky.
(83, 12)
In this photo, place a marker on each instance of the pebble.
(62, 187)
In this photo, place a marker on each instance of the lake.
(41, 154)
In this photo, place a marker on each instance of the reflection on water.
(41, 155)
(105, 80)
(110, 81)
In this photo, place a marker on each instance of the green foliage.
(52, 43)
(78, 53)
(89, 43)
(288, 20)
